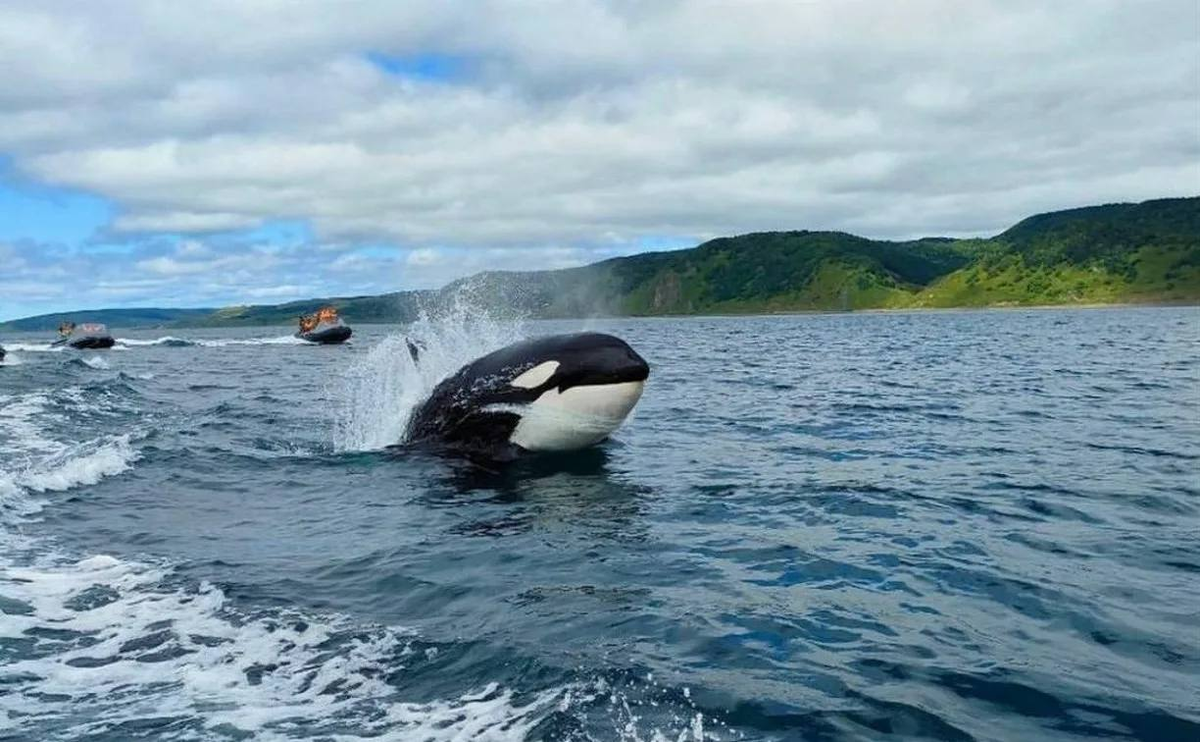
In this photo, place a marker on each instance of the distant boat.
(85, 336)
(325, 327)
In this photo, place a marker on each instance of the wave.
(75, 467)
(34, 460)
(22, 419)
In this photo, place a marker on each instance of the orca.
(553, 393)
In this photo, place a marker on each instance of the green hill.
(1148, 252)
(1117, 253)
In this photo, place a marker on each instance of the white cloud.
(424, 256)
(285, 291)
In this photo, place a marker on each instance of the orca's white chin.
(576, 418)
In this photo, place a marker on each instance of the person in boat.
(325, 315)
(65, 329)
(309, 322)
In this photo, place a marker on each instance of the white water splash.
(97, 363)
(378, 393)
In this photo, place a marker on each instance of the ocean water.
(946, 526)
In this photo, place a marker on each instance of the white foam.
(96, 362)
(138, 650)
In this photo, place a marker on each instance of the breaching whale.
(553, 393)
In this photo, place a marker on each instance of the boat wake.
(170, 341)
(35, 347)
(167, 341)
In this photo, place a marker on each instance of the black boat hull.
(329, 336)
(89, 343)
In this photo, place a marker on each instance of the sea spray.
(377, 394)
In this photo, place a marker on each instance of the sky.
(257, 151)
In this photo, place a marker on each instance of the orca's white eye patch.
(535, 376)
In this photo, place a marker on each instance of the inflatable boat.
(325, 327)
(1, 352)
(85, 336)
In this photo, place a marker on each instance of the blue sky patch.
(431, 67)
(48, 214)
